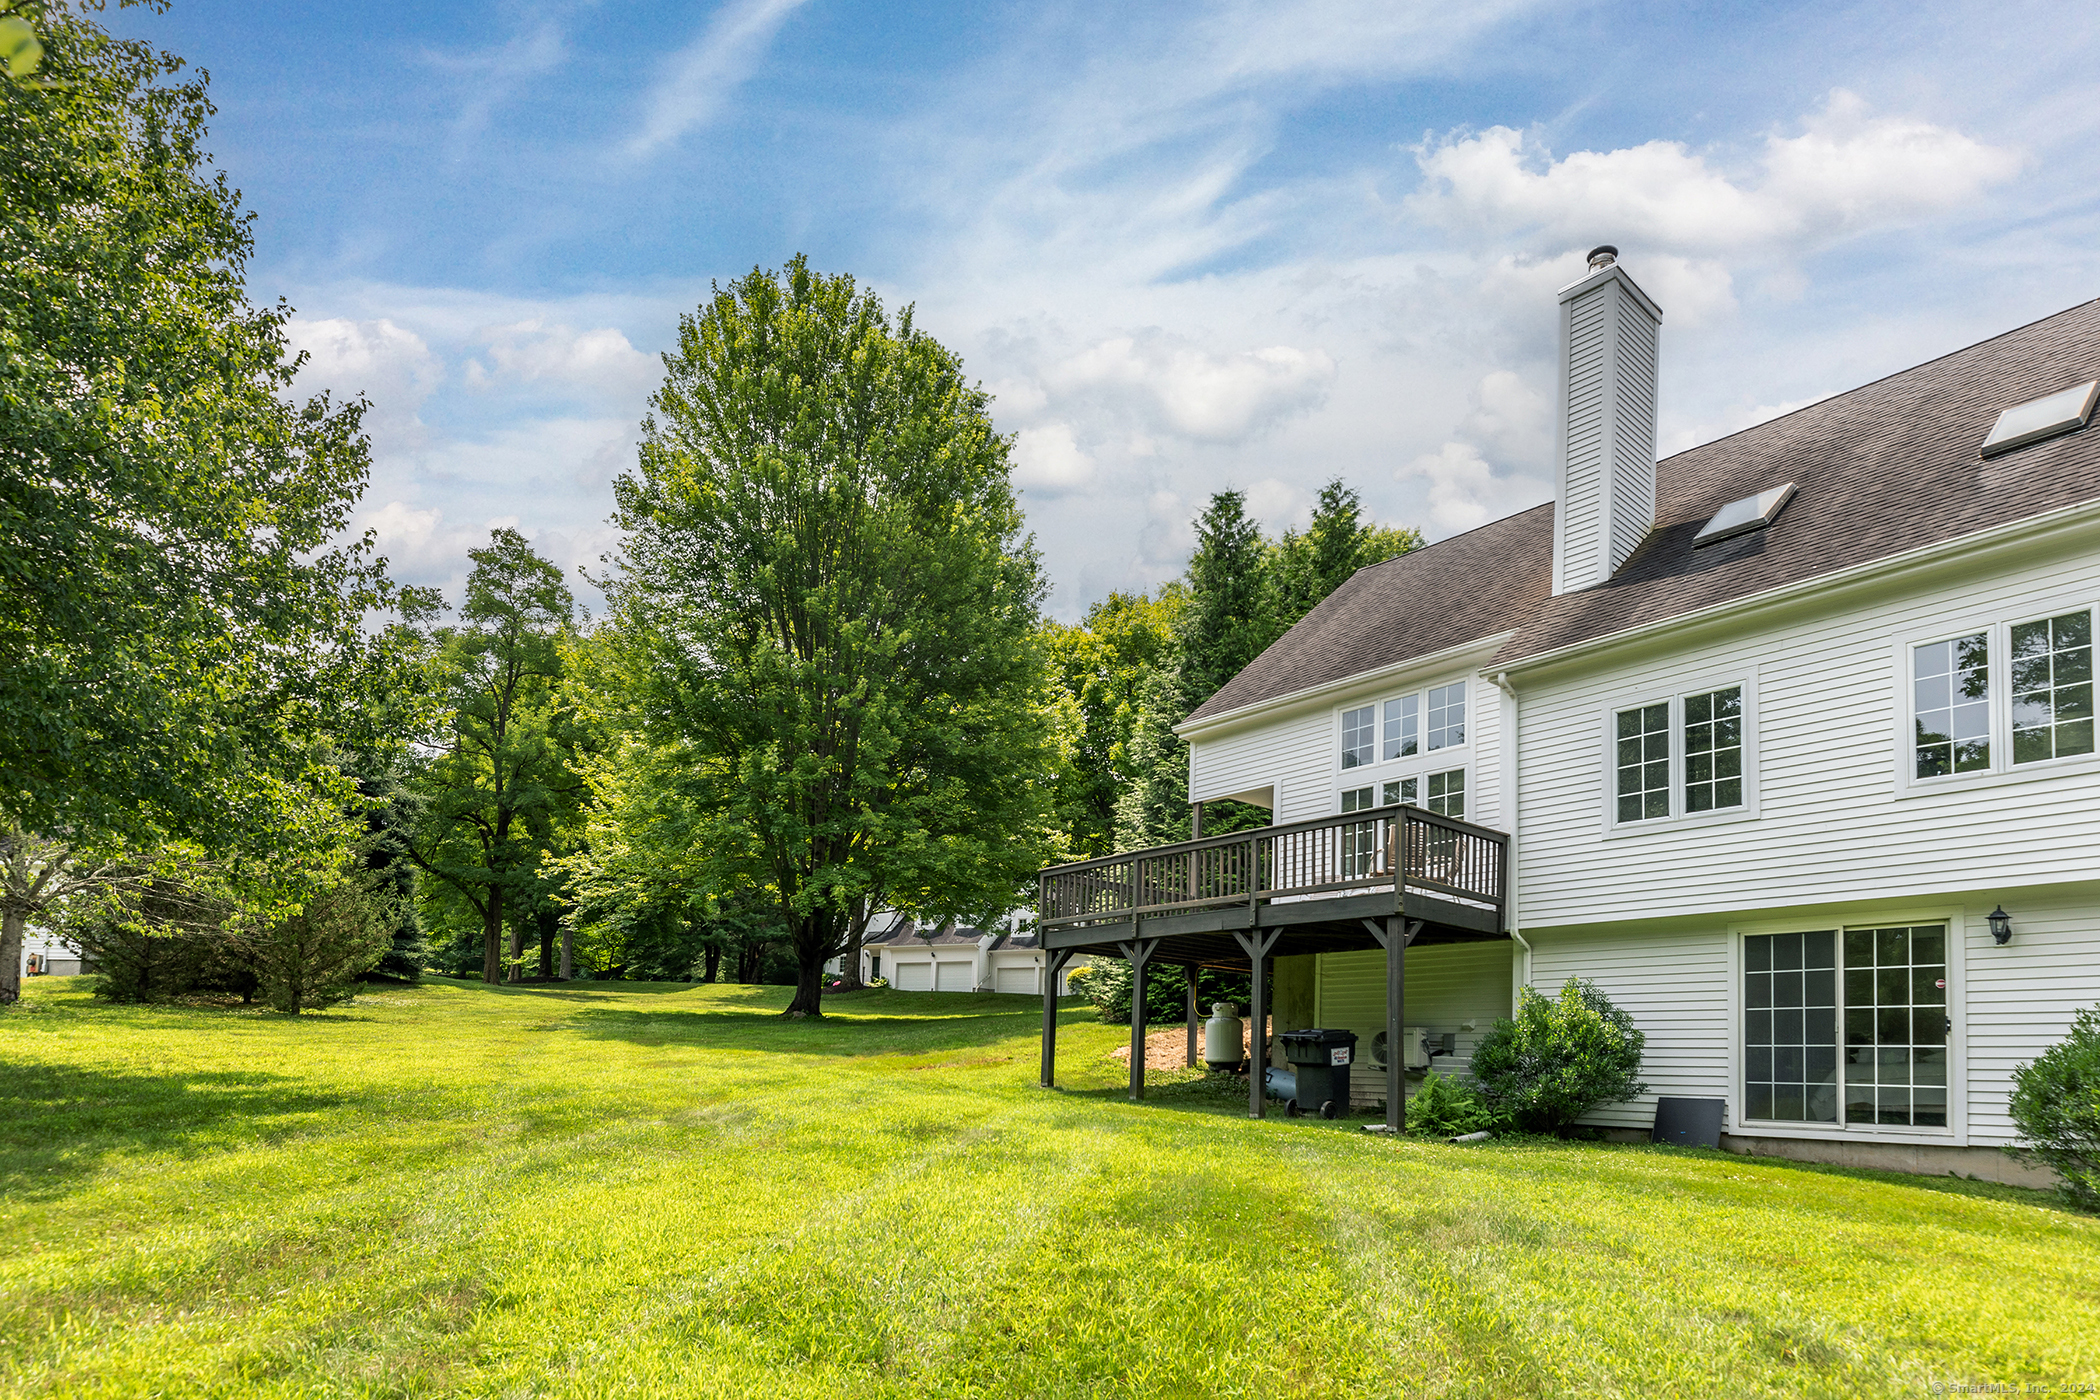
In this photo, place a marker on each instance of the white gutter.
(1512, 718)
(1428, 661)
(2019, 533)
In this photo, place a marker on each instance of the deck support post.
(1139, 952)
(1192, 970)
(1394, 935)
(1054, 961)
(1258, 943)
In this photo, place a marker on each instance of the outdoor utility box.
(1689, 1122)
(1321, 1058)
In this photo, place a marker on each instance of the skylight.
(1750, 513)
(2060, 412)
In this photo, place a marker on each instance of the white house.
(1763, 739)
(44, 955)
(956, 959)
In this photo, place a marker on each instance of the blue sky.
(1186, 246)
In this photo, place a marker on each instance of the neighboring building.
(45, 956)
(1777, 727)
(958, 959)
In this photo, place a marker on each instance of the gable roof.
(1428, 600)
(1889, 467)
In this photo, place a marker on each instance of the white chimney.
(1604, 456)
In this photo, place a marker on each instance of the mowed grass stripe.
(661, 1190)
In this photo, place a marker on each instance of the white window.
(1951, 687)
(1995, 699)
(1447, 715)
(1400, 791)
(1644, 763)
(1447, 793)
(1713, 750)
(1685, 756)
(2052, 687)
(1846, 1026)
(1356, 800)
(1357, 736)
(1401, 717)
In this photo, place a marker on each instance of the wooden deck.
(1389, 878)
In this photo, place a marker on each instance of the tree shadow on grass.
(769, 1032)
(59, 1122)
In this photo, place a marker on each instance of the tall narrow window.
(1359, 840)
(1644, 763)
(1953, 705)
(1713, 750)
(2052, 687)
(1401, 719)
(1357, 736)
(1447, 715)
(1790, 1071)
(1896, 1026)
(1447, 793)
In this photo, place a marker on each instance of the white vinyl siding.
(1633, 436)
(1579, 525)
(1832, 754)
(1674, 984)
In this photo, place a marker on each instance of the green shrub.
(1559, 1058)
(1107, 985)
(1443, 1107)
(2056, 1107)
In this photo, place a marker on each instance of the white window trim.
(1997, 632)
(1679, 819)
(1352, 783)
(1956, 1133)
(1423, 759)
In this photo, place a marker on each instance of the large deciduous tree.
(495, 773)
(175, 613)
(825, 615)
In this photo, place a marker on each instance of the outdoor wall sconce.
(2001, 925)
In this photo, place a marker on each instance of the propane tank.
(1222, 1047)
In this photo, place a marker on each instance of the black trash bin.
(1321, 1058)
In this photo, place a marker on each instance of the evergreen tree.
(1307, 567)
(1231, 614)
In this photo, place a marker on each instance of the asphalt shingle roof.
(1889, 467)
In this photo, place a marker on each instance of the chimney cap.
(1603, 255)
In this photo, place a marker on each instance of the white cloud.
(1464, 491)
(600, 361)
(1847, 172)
(699, 78)
(379, 359)
(1177, 387)
(419, 546)
(1048, 461)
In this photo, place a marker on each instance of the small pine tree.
(315, 957)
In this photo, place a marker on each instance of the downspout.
(1512, 712)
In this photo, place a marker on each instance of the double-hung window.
(1684, 756)
(1358, 726)
(1995, 699)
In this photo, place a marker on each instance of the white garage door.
(1017, 979)
(914, 977)
(954, 977)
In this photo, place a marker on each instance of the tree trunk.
(816, 940)
(13, 923)
(492, 937)
(714, 961)
(550, 919)
(568, 954)
(514, 968)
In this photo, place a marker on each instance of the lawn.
(658, 1190)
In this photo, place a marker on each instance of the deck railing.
(1408, 847)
